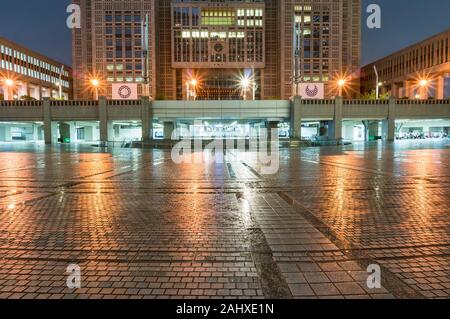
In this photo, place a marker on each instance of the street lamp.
(423, 84)
(245, 85)
(379, 85)
(194, 84)
(7, 84)
(341, 83)
(95, 84)
(58, 84)
(190, 92)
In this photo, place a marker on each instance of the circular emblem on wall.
(218, 47)
(124, 92)
(312, 92)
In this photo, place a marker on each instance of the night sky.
(40, 25)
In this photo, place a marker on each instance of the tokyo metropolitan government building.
(209, 50)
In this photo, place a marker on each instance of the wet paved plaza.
(140, 226)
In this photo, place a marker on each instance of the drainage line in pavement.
(273, 284)
(389, 280)
(231, 171)
(251, 169)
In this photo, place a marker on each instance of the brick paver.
(139, 226)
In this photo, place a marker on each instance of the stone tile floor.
(140, 226)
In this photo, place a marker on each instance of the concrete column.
(348, 130)
(323, 128)
(35, 129)
(22, 90)
(271, 125)
(48, 128)
(372, 130)
(394, 90)
(40, 132)
(68, 131)
(169, 127)
(105, 126)
(408, 90)
(389, 123)
(335, 127)
(147, 119)
(440, 87)
(89, 133)
(5, 133)
(64, 131)
(296, 118)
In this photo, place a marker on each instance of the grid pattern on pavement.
(140, 226)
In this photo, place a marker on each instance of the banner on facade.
(124, 91)
(312, 91)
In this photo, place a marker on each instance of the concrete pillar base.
(68, 132)
(389, 123)
(336, 127)
(296, 118)
(147, 119)
(5, 133)
(169, 128)
(106, 132)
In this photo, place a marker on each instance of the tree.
(27, 98)
(372, 95)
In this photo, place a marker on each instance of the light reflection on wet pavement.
(140, 226)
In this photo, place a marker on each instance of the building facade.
(215, 50)
(26, 74)
(420, 71)
(320, 43)
(109, 46)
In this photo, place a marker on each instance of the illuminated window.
(218, 17)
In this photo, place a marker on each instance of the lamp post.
(377, 79)
(60, 82)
